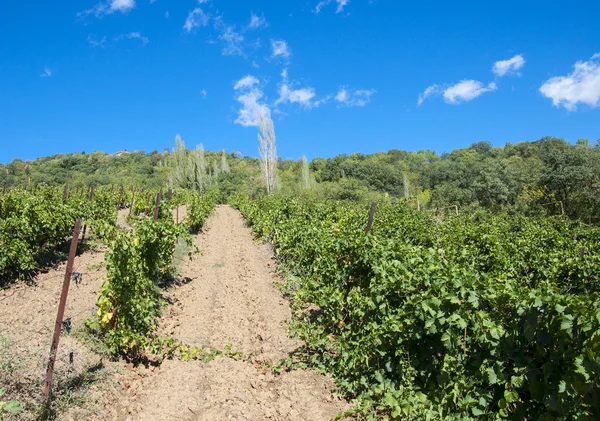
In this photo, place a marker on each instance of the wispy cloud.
(580, 87)
(353, 98)
(430, 91)
(107, 8)
(463, 91)
(249, 96)
(510, 66)
(132, 35)
(246, 82)
(233, 41)
(280, 48)
(339, 9)
(466, 90)
(257, 21)
(46, 73)
(203, 92)
(287, 93)
(96, 42)
(195, 19)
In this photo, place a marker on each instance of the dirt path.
(230, 299)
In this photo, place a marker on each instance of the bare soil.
(28, 315)
(229, 299)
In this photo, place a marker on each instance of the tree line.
(547, 176)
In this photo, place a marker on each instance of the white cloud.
(322, 100)
(122, 5)
(301, 96)
(95, 42)
(233, 41)
(107, 8)
(167, 14)
(132, 35)
(510, 66)
(355, 98)
(195, 18)
(280, 48)
(249, 97)
(431, 90)
(466, 90)
(245, 82)
(203, 92)
(463, 91)
(46, 73)
(580, 87)
(257, 21)
(340, 5)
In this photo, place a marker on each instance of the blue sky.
(338, 76)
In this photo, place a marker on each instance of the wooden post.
(169, 195)
(66, 192)
(156, 206)
(4, 192)
(371, 215)
(582, 252)
(132, 201)
(177, 215)
(61, 311)
(418, 205)
(120, 198)
(92, 190)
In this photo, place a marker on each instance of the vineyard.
(476, 316)
(416, 315)
(37, 225)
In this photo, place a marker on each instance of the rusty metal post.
(371, 215)
(157, 205)
(61, 311)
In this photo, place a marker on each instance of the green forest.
(548, 176)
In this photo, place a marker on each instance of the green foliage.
(35, 223)
(9, 407)
(200, 207)
(137, 260)
(129, 301)
(479, 316)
